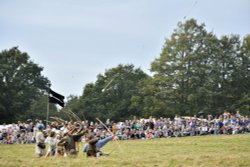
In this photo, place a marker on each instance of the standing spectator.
(193, 126)
(40, 145)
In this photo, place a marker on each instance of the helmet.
(40, 126)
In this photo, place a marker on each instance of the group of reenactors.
(67, 145)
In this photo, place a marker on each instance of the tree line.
(196, 72)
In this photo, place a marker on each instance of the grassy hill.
(221, 150)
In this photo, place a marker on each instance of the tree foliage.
(20, 83)
(196, 71)
(114, 94)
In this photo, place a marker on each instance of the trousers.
(99, 144)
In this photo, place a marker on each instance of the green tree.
(20, 83)
(183, 68)
(197, 72)
(242, 77)
(224, 67)
(114, 95)
(154, 101)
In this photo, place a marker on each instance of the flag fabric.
(56, 95)
(56, 98)
(56, 101)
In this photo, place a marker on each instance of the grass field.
(203, 151)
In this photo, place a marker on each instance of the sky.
(75, 40)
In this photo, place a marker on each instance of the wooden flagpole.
(47, 117)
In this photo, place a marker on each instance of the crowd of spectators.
(227, 123)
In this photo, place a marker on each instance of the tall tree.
(225, 65)
(20, 83)
(183, 68)
(242, 76)
(197, 71)
(114, 94)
